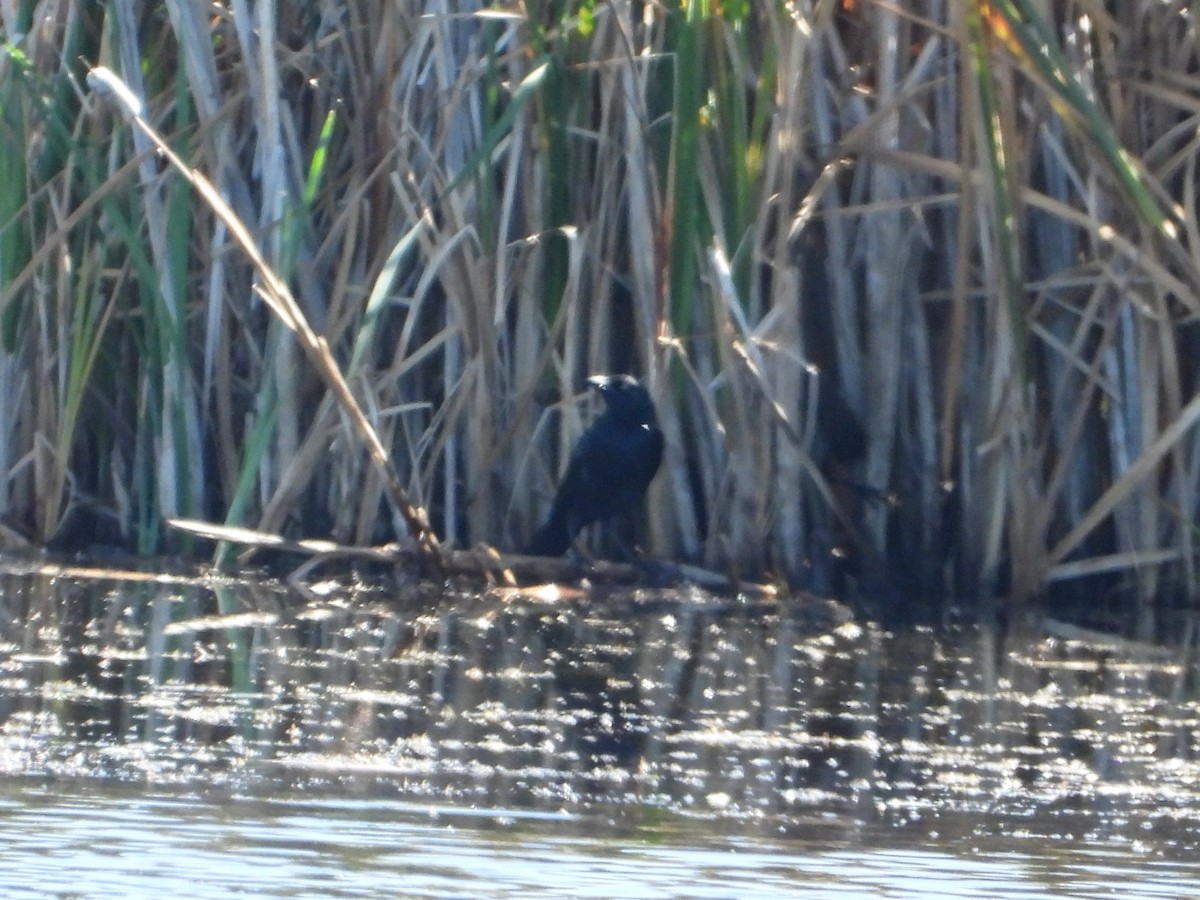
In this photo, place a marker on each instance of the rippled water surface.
(205, 740)
(108, 841)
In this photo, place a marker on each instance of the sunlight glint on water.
(647, 744)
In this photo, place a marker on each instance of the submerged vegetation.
(914, 286)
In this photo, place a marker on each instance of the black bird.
(610, 468)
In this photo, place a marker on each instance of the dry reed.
(967, 229)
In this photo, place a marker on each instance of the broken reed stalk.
(513, 571)
(278, 297)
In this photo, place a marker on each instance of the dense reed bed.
(914, 286)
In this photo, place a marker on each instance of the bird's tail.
(553, 538)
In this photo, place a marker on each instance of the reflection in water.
(769, 718)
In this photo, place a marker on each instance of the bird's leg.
(654, 571)
(620, 533)
(578, 553)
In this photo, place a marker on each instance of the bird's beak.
(599, 382)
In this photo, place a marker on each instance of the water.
(355, 743)
(106, 841)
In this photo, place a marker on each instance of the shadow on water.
(629, 709)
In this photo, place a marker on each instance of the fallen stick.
(508, 569)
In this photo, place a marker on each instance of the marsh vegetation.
(914, 286)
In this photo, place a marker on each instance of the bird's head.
(626, 397)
